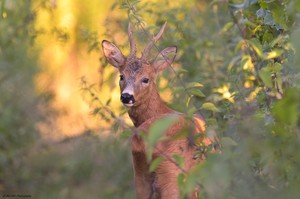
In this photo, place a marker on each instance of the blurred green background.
(62, 132)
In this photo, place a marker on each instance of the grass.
(88, 166)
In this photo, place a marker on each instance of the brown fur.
(148, 108)
(164, 183)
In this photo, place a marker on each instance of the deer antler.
(132, 43)
(152, 42)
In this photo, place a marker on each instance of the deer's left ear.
(164, 58)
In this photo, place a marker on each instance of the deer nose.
(126, 98)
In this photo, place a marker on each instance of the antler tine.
(131, 41)
(151, 43)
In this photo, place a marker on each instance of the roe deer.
(140, 95)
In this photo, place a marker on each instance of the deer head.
(138, 75)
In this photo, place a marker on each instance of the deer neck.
(152, 107)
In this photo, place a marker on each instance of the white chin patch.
(128, 105)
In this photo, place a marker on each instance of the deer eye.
(145, 80)
(121, 77)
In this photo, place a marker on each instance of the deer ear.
(113, 54)
(165, 58)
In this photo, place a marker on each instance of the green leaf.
(181, 178)
(274, 53)
(251, 24)
(181, 71)
(191, 182)
(196, 92)
(159, 127)
(188, 101)
(193, 85)
(246, 62)
(210, 106)
(190, 86)
(211, 122)
(296, 42)
(233, 62)
(286, 110)
(263, 4)
(227, 27)
(276, 67)
(278, 14)
(256, 45)
(157, 130)
(191, 111)
(268, 37)
(227, 142)
(276, 40)
(179, 160)
(266, 78)
(124, 6)
(238, 46)
(155, 163)
(273, 67)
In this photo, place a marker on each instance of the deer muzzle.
(127, 99)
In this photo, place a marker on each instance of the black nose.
(127, 98)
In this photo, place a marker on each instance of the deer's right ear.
(165, 58)
(113, 54)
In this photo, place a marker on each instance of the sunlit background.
(70, 51)
(66, 59)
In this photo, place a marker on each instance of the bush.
(238, 65)
(18, 96)
(244, 54)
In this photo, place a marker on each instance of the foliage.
(242, 52)
(237, 64)
(156, 132)
(83, 166)
(17, 89)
